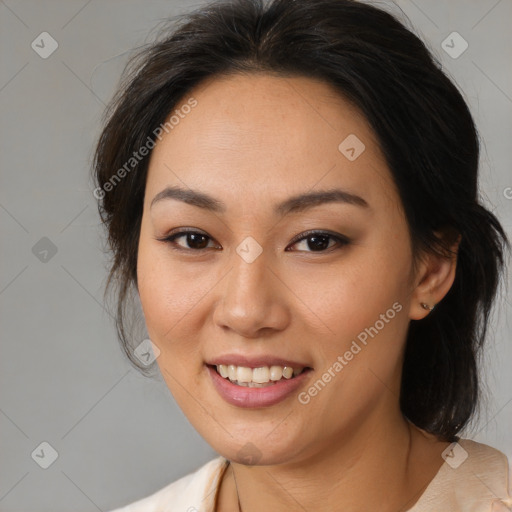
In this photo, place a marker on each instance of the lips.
(251, 394)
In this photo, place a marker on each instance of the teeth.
(243, 374)
(276, 372)
(261, 375)
(287, 372)
(257, 377)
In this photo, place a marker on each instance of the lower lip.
(243, 396)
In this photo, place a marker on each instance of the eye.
(312, 241)
(191, 240)
(319, 241)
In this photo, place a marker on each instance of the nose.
(254, 300)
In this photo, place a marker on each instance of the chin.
(256, 449)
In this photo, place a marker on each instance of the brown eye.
(319, 241)
(190, 240)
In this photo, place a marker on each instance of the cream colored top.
(473, 478)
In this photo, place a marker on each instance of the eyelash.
(341, 240)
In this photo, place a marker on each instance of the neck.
(353, 472)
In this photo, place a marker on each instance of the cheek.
(165, 288)
(170, 305)
(377, 280)
(343, 299)
(361, 368)
(374, 323)
(170, 296)
(364, 306)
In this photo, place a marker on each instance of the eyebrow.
(294, 204)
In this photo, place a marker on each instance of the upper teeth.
(260, 375)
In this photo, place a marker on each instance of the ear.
(433, 279)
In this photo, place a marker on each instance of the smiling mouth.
(260, 377)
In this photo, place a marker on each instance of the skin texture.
(252, 141)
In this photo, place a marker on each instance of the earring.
(426, 306)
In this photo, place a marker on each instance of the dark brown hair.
(423, 126)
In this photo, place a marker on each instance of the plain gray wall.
(63, 377)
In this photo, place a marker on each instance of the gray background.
(63, 377)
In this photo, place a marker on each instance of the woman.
(290, 188)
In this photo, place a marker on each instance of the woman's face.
(254, 289)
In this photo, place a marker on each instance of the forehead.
(263, 135)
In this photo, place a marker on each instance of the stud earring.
(426, 306)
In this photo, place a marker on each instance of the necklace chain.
(236, 487)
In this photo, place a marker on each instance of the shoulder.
(474, 477)
(482, 461)
(192, 493)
